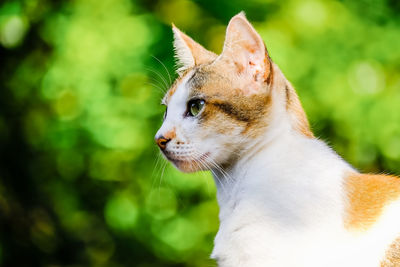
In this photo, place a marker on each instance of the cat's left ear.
(245, 48)
(189, 53)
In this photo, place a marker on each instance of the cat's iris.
(195, 106)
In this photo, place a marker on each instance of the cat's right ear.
(189, 53)
(245, 48)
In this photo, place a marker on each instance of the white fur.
(183, 55)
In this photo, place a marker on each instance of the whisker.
(216, 166)
(160, 88)
(220, 169)
(205, 165)
(157, 87)
(162, 175)
(160, 76)
(158, 82)
(155, 170)
(169, 76)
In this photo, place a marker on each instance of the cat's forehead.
(199, 82)
(180, 84)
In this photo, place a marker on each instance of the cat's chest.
(255, 244)
(262, 229)
(273, 212)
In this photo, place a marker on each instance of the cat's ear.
(245, 48)
(189, 53)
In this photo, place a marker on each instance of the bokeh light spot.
(366, 78)
(161, 203)
(121, 212)
(180, 234)
(12, 31)
(392, 147)
(187, 16)
(67, 106)
(311, 13)
(111, 165)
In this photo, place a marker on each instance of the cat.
(285, 198)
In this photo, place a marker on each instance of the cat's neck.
(256, 155)
(286, 151)
(279, 175)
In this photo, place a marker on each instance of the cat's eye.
(195, 106)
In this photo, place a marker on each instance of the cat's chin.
(190, 165)
(186, 166)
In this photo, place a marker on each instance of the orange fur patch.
(392, 257)
(268, 75)
(171, 134)
(367, 196)
(228, 106)
(295, 109)
(171, 91)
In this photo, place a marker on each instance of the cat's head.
(219, 103)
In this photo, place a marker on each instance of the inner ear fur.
(189, 53)
(245, 48)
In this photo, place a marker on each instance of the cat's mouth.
(174, 157)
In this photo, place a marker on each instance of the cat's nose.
(162, 142)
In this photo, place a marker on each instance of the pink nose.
(162, 142)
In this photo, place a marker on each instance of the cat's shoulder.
(367, 196)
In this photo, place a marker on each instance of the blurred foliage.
(81, 182)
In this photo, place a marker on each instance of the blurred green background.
(81, 181)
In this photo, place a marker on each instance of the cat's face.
(218, 104)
